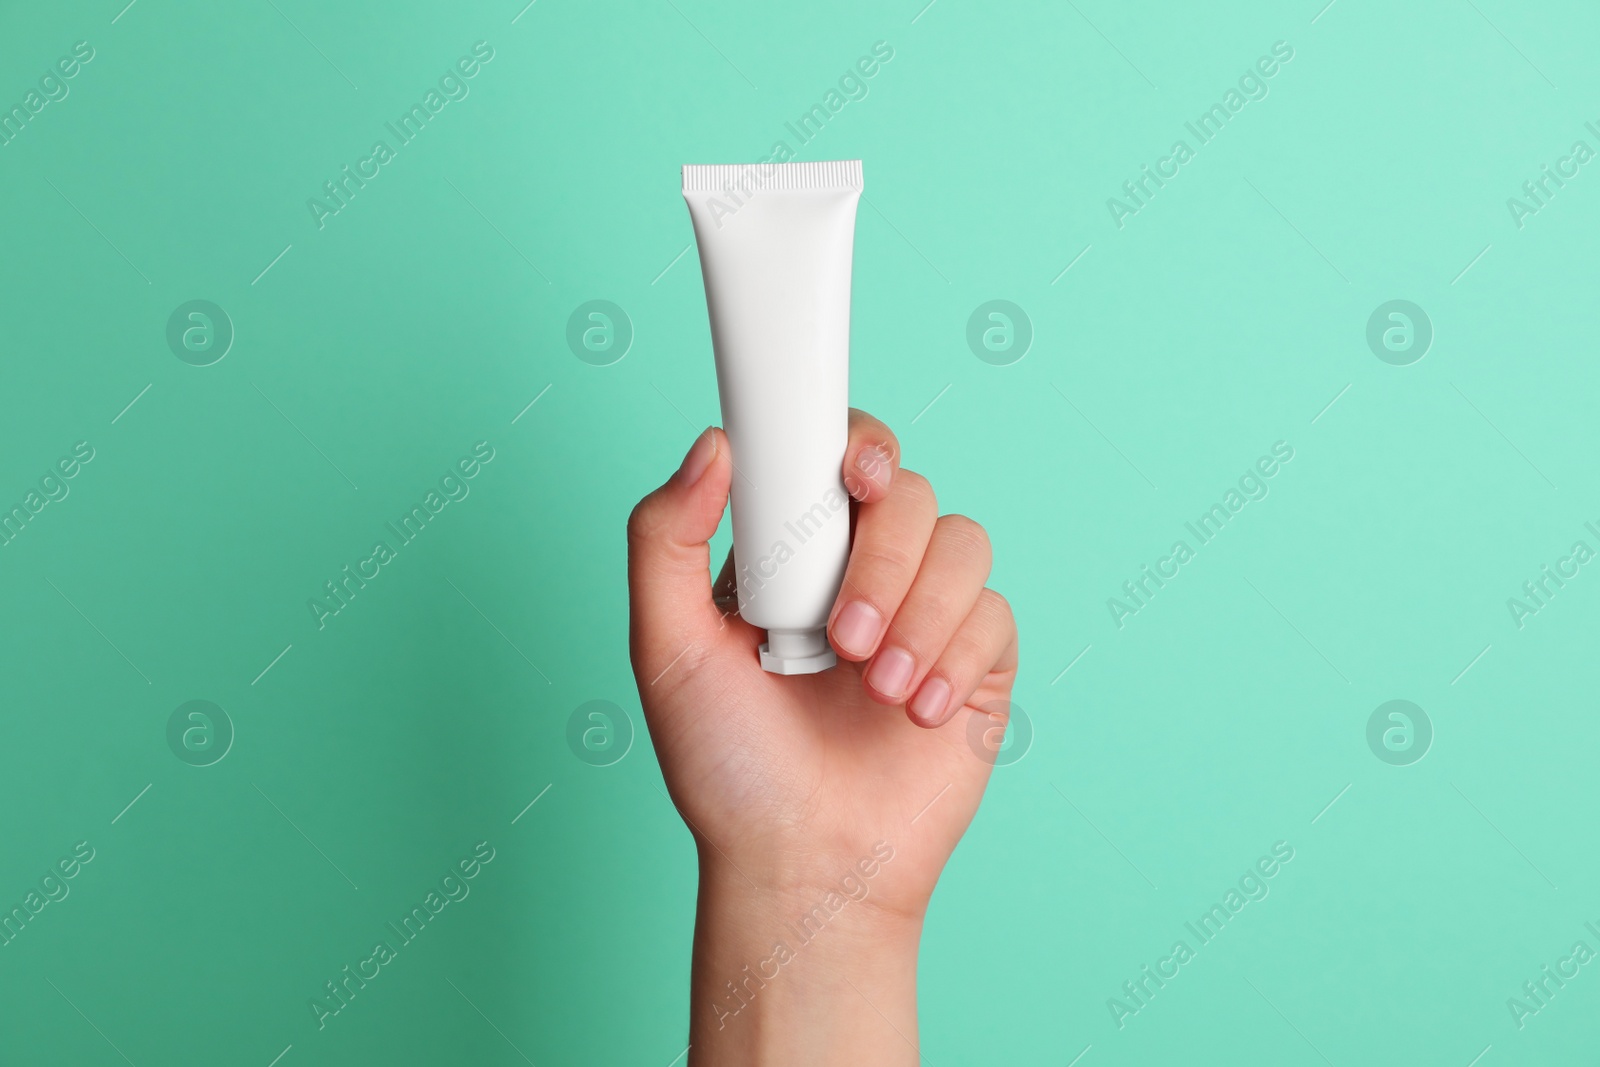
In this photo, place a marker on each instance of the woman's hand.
(823, 806)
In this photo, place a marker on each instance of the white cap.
(797, 651)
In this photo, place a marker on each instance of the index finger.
(871, 458)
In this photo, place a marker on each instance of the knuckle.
(998, 607)
(643, 522)
(882, 564)
(966, 536)
(933, 613)
(934, 619)
(917, 489)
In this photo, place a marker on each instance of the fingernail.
(699, 457)
(857, 628)
(872, 465)
(929, 703)
(891, 672)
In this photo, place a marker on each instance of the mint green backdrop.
(1167, 343)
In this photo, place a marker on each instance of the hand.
(796, 787)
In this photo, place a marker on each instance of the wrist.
(876, 876)
(801, 970)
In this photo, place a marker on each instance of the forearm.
(799, 977)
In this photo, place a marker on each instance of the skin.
(856, 781)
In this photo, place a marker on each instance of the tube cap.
(797, 652)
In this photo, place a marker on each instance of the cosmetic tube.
(775, 243)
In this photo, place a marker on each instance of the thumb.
(669, 559)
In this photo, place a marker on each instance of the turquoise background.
(371, 354)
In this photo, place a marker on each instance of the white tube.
(775, 244)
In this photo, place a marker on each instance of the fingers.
(668, 557)
(890, 538)
(947, 586)
(986, 641)
(871, 458)
(914, 604)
